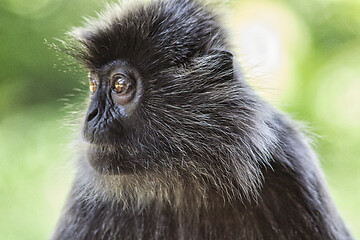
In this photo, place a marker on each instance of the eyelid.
(122, 76)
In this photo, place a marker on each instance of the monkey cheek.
(107, 162)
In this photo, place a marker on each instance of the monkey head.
(165, 96)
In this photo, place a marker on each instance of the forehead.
(158, 35)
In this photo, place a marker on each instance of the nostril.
(92, 115)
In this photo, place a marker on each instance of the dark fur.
(205, 158)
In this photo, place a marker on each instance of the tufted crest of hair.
(151, 36)
(199, 128)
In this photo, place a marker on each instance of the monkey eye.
(93, 85)
(122, 85)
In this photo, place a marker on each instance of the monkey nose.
(92, 115)
(91, 122)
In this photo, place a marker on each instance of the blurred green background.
(303, 56)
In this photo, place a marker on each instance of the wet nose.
(92, 115)
(92, 119)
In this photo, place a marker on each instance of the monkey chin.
(107, 161)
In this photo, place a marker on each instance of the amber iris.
(121, 85)
(93, 86)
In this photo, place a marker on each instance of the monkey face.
(116, 90)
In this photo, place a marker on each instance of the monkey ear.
(220, 52)
(223, 55)
(223, 60)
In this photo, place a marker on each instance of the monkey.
(177, 145)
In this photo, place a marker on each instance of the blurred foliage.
(324, 92)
